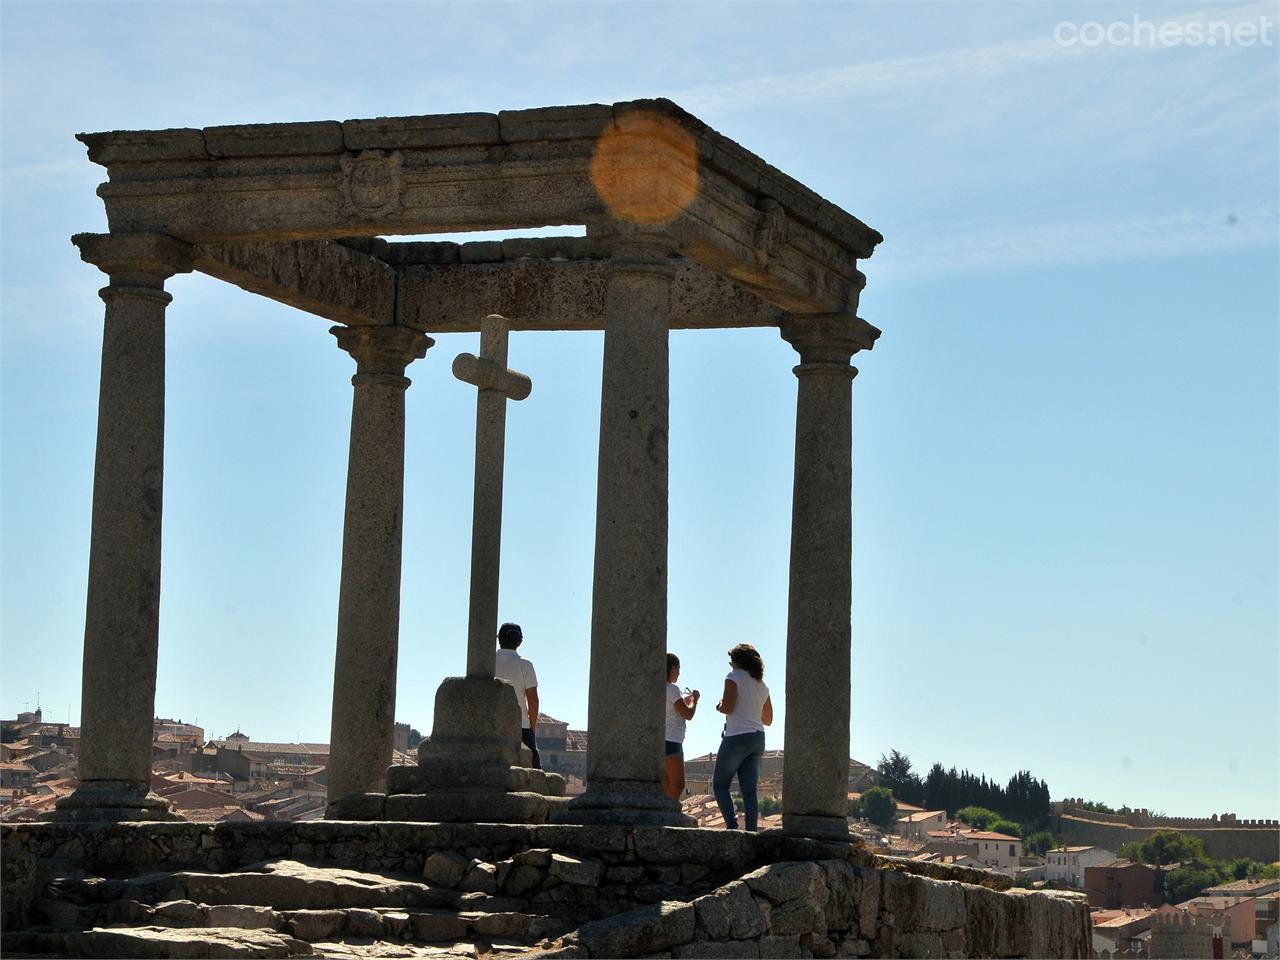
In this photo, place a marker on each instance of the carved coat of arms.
(371, 181)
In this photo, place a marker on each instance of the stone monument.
(684, 229)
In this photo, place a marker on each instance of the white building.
(999, 851)
(1067, 863)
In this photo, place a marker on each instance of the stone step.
(282, 884)
(317, 925)
(149, 942)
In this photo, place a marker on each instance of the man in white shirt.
(519, 672)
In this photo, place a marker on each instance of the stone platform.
(348, 889)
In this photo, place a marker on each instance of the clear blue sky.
(1065, 444)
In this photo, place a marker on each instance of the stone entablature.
(443, 173)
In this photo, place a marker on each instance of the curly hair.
(746, 657)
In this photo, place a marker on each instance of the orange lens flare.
(645, 168)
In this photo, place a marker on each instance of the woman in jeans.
(748, 710)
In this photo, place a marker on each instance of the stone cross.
(496, 384)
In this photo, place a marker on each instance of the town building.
(1067, 864)
(1120, 883)
(918, 825)
(999, 851)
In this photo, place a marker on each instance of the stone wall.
(622, 891)
(1244, 839)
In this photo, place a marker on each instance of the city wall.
(1256, 839)
(633, 891)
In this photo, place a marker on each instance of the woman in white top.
(748, 710)
(680, 707)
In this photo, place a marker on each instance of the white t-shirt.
(675, 722)
(752, 694)
(518, 672)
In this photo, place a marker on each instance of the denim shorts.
(674, 747)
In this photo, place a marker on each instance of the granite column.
(629, 592)
(121, 635)
(364, 676)
(816, 763)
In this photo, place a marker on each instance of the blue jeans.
(738, 755)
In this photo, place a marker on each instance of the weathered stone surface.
(273, 139)
(290, 885)
(797, 917)
(555, 123)
(240, 915)
(313, 925)
(481, 878)
(464, 805)
(502, 924)
(728, 949)
(523, 879)
(446, 869)
(364, 923)
(122, 146)
(168, 942)
(746, 918)
(439, 130)
(438, 927)
(586, 873)
(868, 902)
(841, 908)
(718, 849)
(179, 913)
(649, 929)
(773, 946)
(788, 881)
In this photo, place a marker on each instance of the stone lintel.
(538, 294)
(412, 175)
(328, 279)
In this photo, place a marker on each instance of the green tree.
(1039, 843)
(979, 817)
(1170, 846)
(1192, 879)
(855, 808)
(415, 737)
(879, 807)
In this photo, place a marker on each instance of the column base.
(111, 801)
(625, 803)
(817, 827)
(467, 771)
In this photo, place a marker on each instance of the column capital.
(827, 338)
(635, 248)
(382, 352)
(135, 259)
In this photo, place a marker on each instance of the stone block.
(364, 923)
(438, 927)
(431, 775)
(179, 913)
(728, 949)
(482, 251)
(781, 882)
(239, 915)
(797, 917)
(134, 913)
(502, 925)
(718, 849)
(274, 139)
(477, 719)
(555, 123)
(481, 878)
(445, 868)
(923, 943)
(523, 879)
(357, 806)
(646, 930)
(746, 918)
(314, 925)
(438, 130)
(841, 907)
(773, 946)
(122, 146)
(711, 914)
(854, 947)
(584, 873)
(444, 806)
(624, 874)
(818, 946)
(868, 901)
(396, 924)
